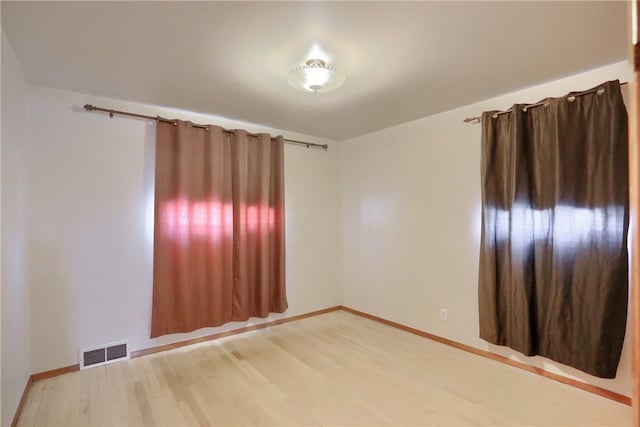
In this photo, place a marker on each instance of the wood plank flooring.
(332, 369)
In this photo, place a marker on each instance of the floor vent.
(104, 354)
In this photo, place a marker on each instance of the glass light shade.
(315, 76)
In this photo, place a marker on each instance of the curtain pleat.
(219, 228)
(553, 275)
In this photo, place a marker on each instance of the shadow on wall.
(50, 298)
(149, 217)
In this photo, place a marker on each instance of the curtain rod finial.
(473, 119)
(89, 107)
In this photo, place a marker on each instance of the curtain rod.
(111, 112)
(478, 119)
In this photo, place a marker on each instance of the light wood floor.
(332, 369)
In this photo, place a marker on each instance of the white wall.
(15, 296)
(411, 222)
(90, 225)
(394, 216)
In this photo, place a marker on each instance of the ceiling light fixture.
(315, 76)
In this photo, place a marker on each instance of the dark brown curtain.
(555, 213)
(219, 248)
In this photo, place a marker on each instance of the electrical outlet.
(443, 314)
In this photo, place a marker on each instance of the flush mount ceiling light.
(315, 76)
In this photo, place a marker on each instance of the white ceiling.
(403, 60)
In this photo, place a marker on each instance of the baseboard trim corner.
(23, 399)
(603, 392)
(38, 377)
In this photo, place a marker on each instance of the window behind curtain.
(219, 236)
(553, 257)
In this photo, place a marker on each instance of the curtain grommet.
(495, 116)
(571, 98)
(524, 109)
(600, 91)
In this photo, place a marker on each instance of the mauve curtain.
(555, 213)
(219, 248)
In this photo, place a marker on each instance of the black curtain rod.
(111, 112)
(478, 119)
